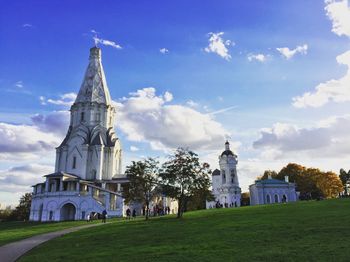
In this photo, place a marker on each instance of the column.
(99, 166)
(47, 185)
(84, 159)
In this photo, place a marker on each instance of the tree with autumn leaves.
(312, 183)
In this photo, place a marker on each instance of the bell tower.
(230, 192)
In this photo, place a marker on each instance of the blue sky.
(243, 88)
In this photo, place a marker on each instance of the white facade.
(225, 185)
(269, 191)
(87, 175)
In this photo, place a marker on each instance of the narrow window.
(74, 162)
(276, 198)
(82, 116)
(268, 200)
(223, 176)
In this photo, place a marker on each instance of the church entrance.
(68, 212)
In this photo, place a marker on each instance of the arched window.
(93, 174)
(276, 198)
(233, 174)
(98, 117)
(51, 216)
(74, 164)
(223, 176)
(82, 116)
(284, 199)
(268, 199)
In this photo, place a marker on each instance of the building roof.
(94, 87)
(271, 181)
(227, 153)
(60, 174)
(216, 172)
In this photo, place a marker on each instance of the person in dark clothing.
(104, 216)
(134, 213)
(128, 213)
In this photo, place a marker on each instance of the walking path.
(11, 252)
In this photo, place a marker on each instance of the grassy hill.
(14, 231)
(304, 231)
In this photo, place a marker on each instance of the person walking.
(128, 213)
(104, 216)
(134, 213)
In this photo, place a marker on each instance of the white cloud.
(106, 42)
(336, 90)
(218, 45)
(55, 122)
(134, 148)
(164, 51)
(289, 53)
(339, 13)
(146, 117)
(256, 57)
(191, 103)
(65, 100)
(329, 138)
(19, 84)
(25, 139)
(168, 96)
(27, 25)
(17, 180)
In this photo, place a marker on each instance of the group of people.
(159, 210)
(128, 213)
(93, 216)
(226, 205)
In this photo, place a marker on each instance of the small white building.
(269, 191)
(225, 186)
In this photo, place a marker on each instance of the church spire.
(227, 145)
(94, 87)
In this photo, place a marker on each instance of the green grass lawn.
(13, 231)
(303, 231)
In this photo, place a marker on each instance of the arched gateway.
(68, 212)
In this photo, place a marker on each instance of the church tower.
(225, 186)
(91, 149)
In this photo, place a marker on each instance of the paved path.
(11, 252)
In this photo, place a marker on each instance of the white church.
(227, 193)
(225, 186)
(88, 171)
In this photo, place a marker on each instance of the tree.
(198, 199)
(268, 173)
(22, 211)
(345, 179)
(312, 183)
(329, 184)
(183, 176)
(143, 183)
(245, 199)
